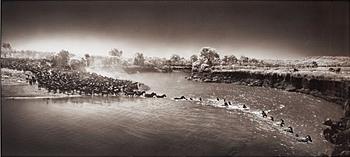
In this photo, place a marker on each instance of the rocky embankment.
(338, 133)
(334, 89)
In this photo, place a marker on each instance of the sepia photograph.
(175, 78)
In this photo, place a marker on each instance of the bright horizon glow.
(93, 46)
(80, 45)
(75, 45)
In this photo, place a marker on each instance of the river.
(153, 126)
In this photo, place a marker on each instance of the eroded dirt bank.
(332, 89)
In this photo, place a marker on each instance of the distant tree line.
(208, 58)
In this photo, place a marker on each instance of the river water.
(151, 126)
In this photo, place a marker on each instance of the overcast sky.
(256, 29)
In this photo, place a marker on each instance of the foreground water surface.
(151, 126)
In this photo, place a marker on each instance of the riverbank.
(322, 82)
(318, 82)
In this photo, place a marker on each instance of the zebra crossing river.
(152, 126)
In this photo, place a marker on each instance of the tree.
(182, 61)
(139, 59)
(6, 49)
(175, 59)
(116, 55)
(87, 56)
(253, 60)
(232, 59)
(244, 59)
(194, 58)
(209, 55)
(87, 59)
(61, 59)
(6, 46)
(314, 64)
(225, 59)
(76, 64)
(64, 55)
(229, 60)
